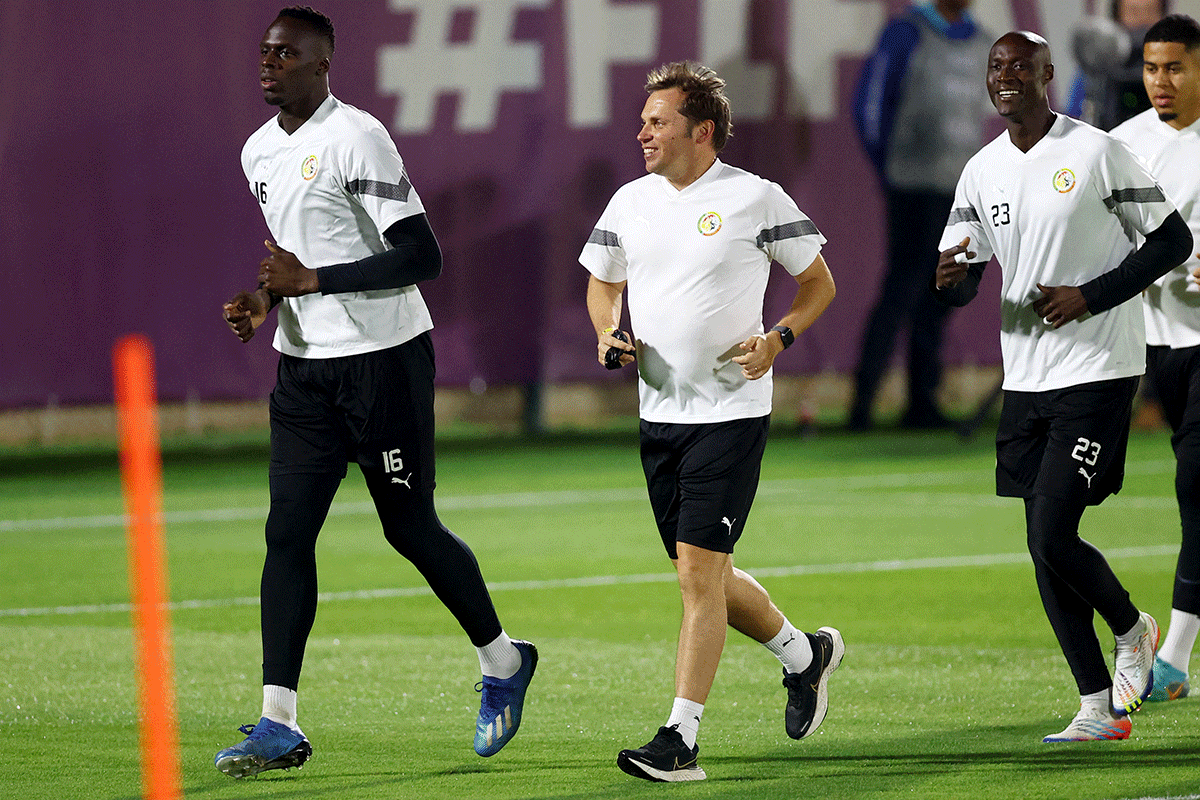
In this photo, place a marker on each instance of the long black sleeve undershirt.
(413, 257)
(965, 290)
(1164, 249)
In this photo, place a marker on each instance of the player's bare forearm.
(604, 308)
(815, 292)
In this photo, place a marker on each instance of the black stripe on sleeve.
(1148, 194)
(602, 237)
(790, 230)
(963, 214)
(388, 191)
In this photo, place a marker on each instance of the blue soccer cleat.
(1169, 683)
(268, 745)
(501, 703)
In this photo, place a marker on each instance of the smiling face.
(1171, 74)
(672, 145)
(1018, 70)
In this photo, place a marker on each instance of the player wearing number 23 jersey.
(1061, 206)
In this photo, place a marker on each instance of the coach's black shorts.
(375, 409)
(1065, 443)
(702, 479)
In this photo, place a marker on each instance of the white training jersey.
(1059, 215)
(328, 192)
(1172, 303)
(697, 262)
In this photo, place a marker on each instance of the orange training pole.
(141, 476)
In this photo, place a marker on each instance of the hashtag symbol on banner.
(477, 70)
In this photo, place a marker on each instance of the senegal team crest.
(709, 223)
(308, 170)
(1064, 180)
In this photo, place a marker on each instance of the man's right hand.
(605, 340)
(245, 312)
(951, 271)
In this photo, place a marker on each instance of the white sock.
(685, 717)
(498, 658)
(1129, 637)
(791, 647)
(1176, 648)
(279, 705)
(1099, 701)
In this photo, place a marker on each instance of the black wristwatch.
(786, 335)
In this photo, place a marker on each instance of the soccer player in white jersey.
(1058, 202)
(354, 382)
(1167, 138)
(692, 244)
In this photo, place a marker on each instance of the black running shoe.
(664, 758)
(808, 691)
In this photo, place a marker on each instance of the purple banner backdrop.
(124, 207)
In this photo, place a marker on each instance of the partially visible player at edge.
(355, 380)
(1167, 138)
(693, 242)
(1056, 201)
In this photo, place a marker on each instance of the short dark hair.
(703, 96)
(320, 23)
(1179, 28)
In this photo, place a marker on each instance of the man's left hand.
(283, 274)
(757, 357)
(1058, 305)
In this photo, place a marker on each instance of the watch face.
(785, 335)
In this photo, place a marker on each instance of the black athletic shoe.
(664, 758)
(808, 691)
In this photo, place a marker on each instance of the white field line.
(606, 580)
(477, 502)
(806, 486)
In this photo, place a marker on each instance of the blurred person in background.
(919, 117)
(1109, 89)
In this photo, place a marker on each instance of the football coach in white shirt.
(1059, 203)
(354, 382)
(692, 244)
(1167, 137)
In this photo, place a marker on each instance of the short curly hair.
(320, 23)
(703, 96)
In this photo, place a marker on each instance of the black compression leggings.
(299, 505)
(1074, 581)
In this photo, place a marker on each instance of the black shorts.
(702, 479)
(1065, 443)
(1176, 375)
(375, 409)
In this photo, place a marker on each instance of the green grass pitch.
(951, 675)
